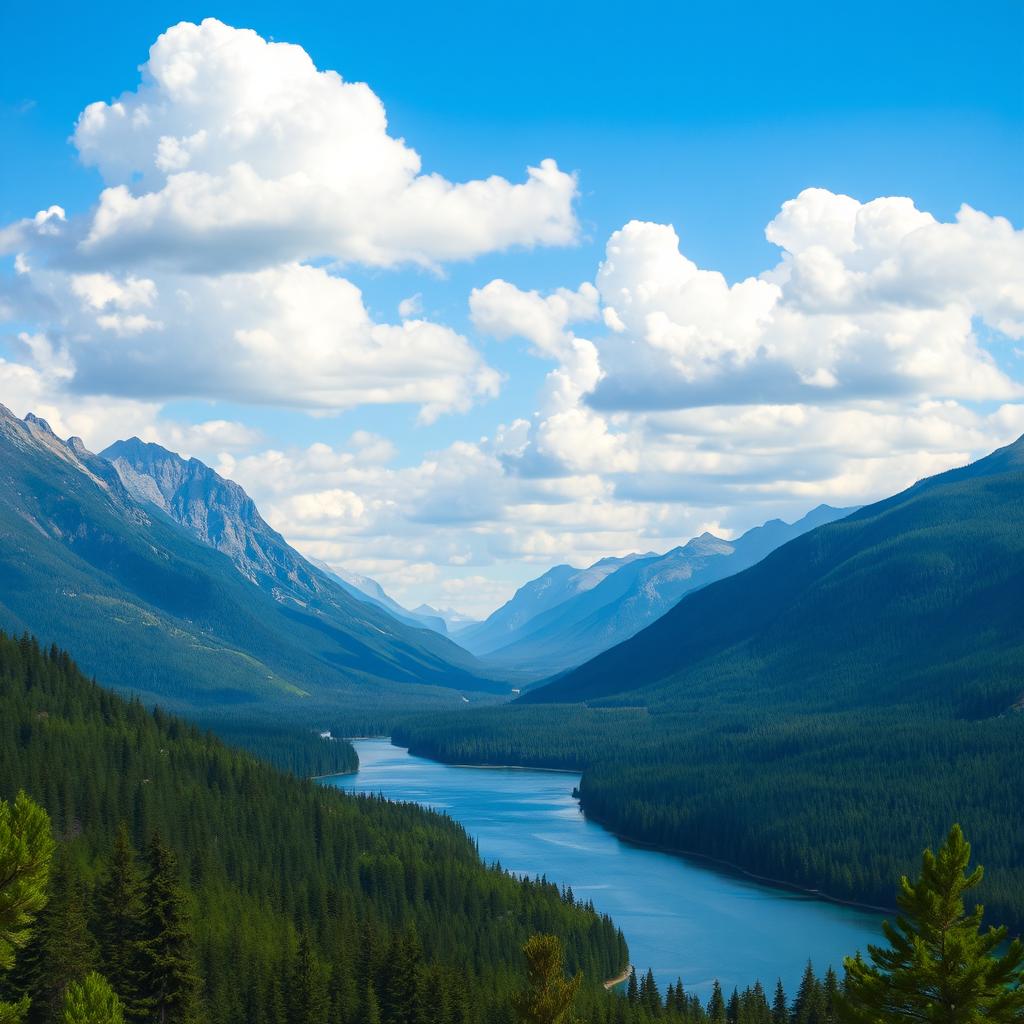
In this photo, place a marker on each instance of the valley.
(682, 918)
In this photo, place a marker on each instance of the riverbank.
(717, 862)
(618, 980)
(736, 869)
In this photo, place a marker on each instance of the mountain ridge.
(143, 600)
(621, 596)
(807, 573)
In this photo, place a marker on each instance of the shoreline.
(736, 869)
(716, 862)
(619, 979)
(729, 866)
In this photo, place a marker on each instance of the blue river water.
(681, 917)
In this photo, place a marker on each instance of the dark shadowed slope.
(917, 597)
(639, 592)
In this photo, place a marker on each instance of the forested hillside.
(289, 891)
(150, 608)
(820, 717)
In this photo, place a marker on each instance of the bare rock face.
(218, 512)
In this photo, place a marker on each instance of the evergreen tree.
(370, 1013)
(549, 997)
(92, 1001)
(62, 950)
(632, 988)
(732, 1009)
(170, 982)
(26, 850)
(119, 922)
(831, 991)
(808, 1007)
(716, 1005)
(307, 998)
(650, 997)
(401, 992)
(780, 1010)
(939, 967)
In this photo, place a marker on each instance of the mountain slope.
(915, 597)
(559, 584)
(366, 589)
(220, 513)
(154, 609)
(641, 591)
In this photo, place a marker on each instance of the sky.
(458, 292)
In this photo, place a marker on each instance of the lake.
(680, 917)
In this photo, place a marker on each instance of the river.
(680, 917)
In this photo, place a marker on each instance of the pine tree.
(170, 983)
(716, 1005)
(831, 991)
(632, 988)
(119, 922)
(939, 965)
(62, 949)
(809, 1005)
(732, 1009)
(92, 1001)
(307, 998)
(401, 983)
(549, 997)
(650, 997)
(26, 850)
(371, 1007)
(780, 1011)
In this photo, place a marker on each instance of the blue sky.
(705, 117)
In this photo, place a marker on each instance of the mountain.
(556, 586)
(366, 589)
(216, 611)
(221, 514)
(614, 599)
(923, 590)
(455, 621)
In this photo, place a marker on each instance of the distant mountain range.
(161, 576)
(918, 597)
(568, 616)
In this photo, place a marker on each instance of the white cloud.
(411, 306)
(291, 335)
(869, 300)
(236, 153)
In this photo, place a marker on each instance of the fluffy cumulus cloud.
(234, 152)
(240, 180)
(868, 300)
(291, 335)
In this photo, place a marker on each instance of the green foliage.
(939, 966)
(168, 978)
(263, 858)
(26, 849)
(62, 949)
(549, 996)
(92, 1001)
